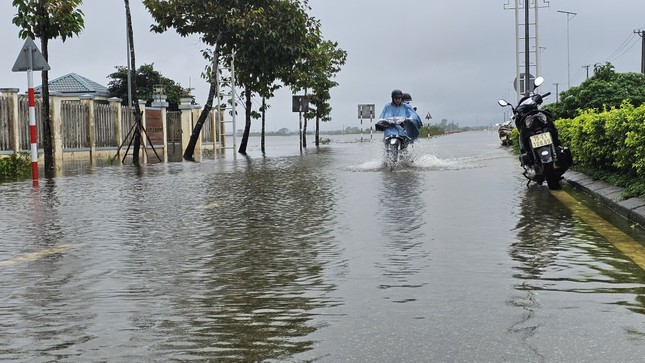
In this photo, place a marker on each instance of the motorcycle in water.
(504, 132)
(397, 132)
(543, 157)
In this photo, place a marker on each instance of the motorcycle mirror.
(538, 81)
(503, 103)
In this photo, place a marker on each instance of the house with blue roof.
(74, 85)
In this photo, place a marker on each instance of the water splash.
(419, 162)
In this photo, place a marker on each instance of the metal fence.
(6, 109)
(127, 122)
(207, 131)
(173, 125)
(74, 127)
(74, 124)
(23, 119)
(105, 125)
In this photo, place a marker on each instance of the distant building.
(73, 85)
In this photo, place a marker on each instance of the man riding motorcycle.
(398, 108)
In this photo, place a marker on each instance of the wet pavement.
(324, 256)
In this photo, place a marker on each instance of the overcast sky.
(456, 58)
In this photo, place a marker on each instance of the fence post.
(88, 101)
(115, 107)
(159, 102)
(14, 124)
(57, 127)
(186, 108)
(164, 130)
(144, 141)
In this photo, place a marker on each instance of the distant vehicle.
(504, 132)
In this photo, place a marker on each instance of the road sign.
(300, 103)
(366, 111)
(30, 58)
(521, 84)
(428, 116)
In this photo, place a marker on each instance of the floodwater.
(321, 256)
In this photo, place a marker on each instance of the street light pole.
(570, 15)
(557, 93)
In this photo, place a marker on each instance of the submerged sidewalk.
(633, 208)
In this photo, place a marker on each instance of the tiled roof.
(74, 85)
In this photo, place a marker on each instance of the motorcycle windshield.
(528, 102)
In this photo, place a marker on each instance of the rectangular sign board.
(300, 103)
(366, 111)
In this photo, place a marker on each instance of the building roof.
(74, 85)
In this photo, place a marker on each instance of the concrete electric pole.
(640, 33)
(570, 16)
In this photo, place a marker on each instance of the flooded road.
(325, 256)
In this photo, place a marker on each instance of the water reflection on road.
(320, 256)
(401, 218)
(565, 266)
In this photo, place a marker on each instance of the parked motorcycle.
(395, 137)
(543, 157)
(504, 132)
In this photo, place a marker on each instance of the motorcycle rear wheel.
(552, 179)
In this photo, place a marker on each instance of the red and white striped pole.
(30, 59)
(32, 125)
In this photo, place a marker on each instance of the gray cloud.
(455, 57)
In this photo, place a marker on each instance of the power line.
(622, 46)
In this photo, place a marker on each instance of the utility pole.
(570, 16)
(557, 93)
(526, 42)
(587, 67)
(640, 33)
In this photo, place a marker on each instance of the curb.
(633, 209)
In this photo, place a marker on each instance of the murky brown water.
(322, 256)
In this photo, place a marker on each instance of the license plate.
(541, 139)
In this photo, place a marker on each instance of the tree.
(604, 90)
(266, 36)
(270, 42)
(316, 72)
(48, 19)
(147, 77)
(138, 129)
(209, 19)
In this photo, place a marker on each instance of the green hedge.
(15, 166)
(609, 145)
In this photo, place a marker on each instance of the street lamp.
(570, 16)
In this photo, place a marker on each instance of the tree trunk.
(48, 137)
(263, 124)
(303, 142)
(197, 129)
(137, 111)
(304, 133)
(317, 129)
(247, 124)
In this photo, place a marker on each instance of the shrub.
(15, 166)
